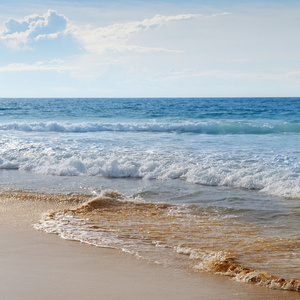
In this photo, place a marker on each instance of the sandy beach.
(149, 150)
(36, 265)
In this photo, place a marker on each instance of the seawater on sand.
(181, 236)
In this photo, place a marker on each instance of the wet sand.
(36, 265)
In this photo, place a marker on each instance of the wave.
(271, 177)
(160, 232)
(203, 127)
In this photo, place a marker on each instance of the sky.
(157, 48)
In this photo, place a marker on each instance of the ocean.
(209, 184)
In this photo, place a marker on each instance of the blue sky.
(149, 48)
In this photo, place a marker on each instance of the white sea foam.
(261, 162)
(213, 171)
(200, 127)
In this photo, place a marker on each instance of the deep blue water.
(282, 109)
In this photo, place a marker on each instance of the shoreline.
(36, 265)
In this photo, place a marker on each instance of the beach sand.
(36, 265)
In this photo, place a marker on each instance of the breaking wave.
(270, 177)
(203, 127)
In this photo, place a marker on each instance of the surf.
(213, 127)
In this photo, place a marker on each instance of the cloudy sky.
(157, 48)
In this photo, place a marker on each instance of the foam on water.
(239, 167)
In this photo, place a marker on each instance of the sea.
(208, 184)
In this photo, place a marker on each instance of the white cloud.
(229, 74)
(101, 46)
(116, 36)
(19, 34)
(112, 47)
(53, 65)
(23, 33)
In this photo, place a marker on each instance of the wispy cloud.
(115, 37)
(240, 60)
(237, 75)
(54, 65)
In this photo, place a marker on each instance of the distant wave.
(203, 127)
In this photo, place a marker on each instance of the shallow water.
(181, 236)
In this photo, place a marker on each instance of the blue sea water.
(235, 157)
(245, 143)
